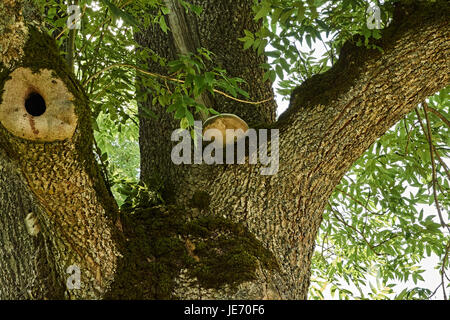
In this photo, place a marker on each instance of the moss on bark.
(163, 240)
(41, 52)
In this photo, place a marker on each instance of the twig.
(358, 202)
(341, 219)
(434, 180)
(75, 21)
(325, 239)
(365, 218)
(167, 86)
(444, 166)
(434, 149)
(447, 249)
(433, 166)
(70, 56)
(408, 136)
(438, 114)
(394, 235)
(166, 78)
(103, 165)
(435, 290)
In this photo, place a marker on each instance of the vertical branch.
(71, 48)
(70, 55)
(434, 178)
(427, 132)
(408, 136)
(444, 166)
(444, 261)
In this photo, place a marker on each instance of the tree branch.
(439, 115)
(156, 75)
(335, 116)
(332, 119)
(433, 167)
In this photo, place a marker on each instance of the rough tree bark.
(225, 231)
(55, 209)
(217, 30)
(332, 119)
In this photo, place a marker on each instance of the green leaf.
(248, 43)
(189, 117)
(197, 9)
(263, 11)
(162, 24)
(126, 17)
(279, 71)
(308, 40)
(272, 75)
(273, 54)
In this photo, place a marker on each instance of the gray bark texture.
(56, 212)
(226, 231)
(332, 119)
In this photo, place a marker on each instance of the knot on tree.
(37, 106)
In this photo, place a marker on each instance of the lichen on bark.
(77, 210)
(13, 32)
(163, 241)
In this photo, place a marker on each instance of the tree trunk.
(56, 212)
(332, 119)
(226, 231)
(217, 30)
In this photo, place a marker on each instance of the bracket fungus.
(222, 123)
(37, 106)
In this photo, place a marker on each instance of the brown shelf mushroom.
(223, 122)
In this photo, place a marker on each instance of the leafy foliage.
(106, 64)
(379, 220)
(289, 26)
(379, 224)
